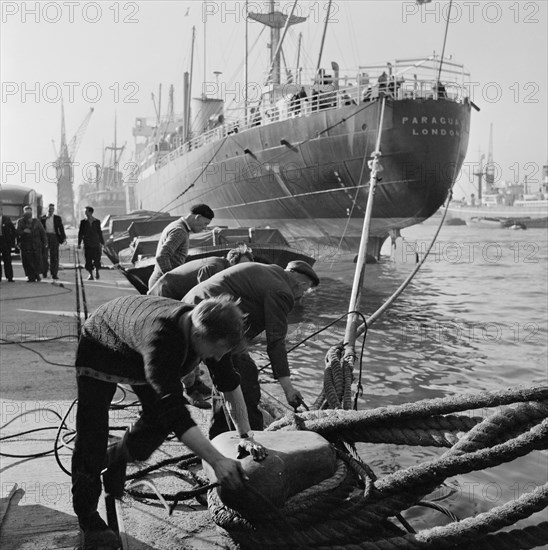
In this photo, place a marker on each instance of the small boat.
(455, 221)
(485, 221)
(120, 231)
(525, 223)
(136, 259)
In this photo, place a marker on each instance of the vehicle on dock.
(14, 197)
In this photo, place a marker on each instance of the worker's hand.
(249, 446)
(230, 474)
(292, 396)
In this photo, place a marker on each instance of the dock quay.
(38, 342)
(39, 328)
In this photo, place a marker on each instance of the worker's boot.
(198, 394)
(97, 534)
(114, 475)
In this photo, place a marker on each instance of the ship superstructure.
(298, 158)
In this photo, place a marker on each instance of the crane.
(65, 159)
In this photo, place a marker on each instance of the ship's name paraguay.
(435, 126)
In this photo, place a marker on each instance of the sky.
(112, 56)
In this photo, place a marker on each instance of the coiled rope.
(339, 515)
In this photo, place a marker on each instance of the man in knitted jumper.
(150, 343)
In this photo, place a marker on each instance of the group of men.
(203, 310)
(38, 240)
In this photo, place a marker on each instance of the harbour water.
(473, 319)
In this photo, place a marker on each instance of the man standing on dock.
(150, 343)
(7, 240)
(55, 232)
(172, 247)
(266, 294)
(31, 239)
(91, 234)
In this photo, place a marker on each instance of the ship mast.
(297, 72)
(111, 174)
(276, 20)
(246, 56)
(205, 60)
(323, 39)
(479, 173)
(67, 153)
(187, 91)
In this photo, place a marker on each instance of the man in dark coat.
(266, 294)
(150, 343)
(31, 239)
(55, 233)
(176, 283)
(92, 236)
(7, 241)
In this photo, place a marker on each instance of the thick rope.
(353, 519)
(337, 382)
(331, 423)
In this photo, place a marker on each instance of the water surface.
(473, 319)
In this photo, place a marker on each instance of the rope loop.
(356, 513)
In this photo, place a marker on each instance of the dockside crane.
(65, 159)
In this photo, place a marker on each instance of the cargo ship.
(105, 192)
(504, 203)
(298, 157)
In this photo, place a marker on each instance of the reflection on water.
(474, 319)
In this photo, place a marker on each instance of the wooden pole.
(353, 319)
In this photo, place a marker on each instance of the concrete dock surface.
(39, 327)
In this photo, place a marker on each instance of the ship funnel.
(204, 110)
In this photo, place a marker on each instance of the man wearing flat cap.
(266, 294)
(172, 247)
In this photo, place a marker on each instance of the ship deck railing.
(408, 79)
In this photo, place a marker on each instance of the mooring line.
(77, 293)
(83, 290)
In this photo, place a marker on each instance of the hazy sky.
(112, 55)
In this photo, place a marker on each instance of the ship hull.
(309, 176)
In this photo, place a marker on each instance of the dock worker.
(176, 283)
(91, 235)
(158, 342)
(7, 241)
(172, 248)
(32, 240)
(55, 232)
(266, 295)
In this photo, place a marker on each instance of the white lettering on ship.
(434, 125)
